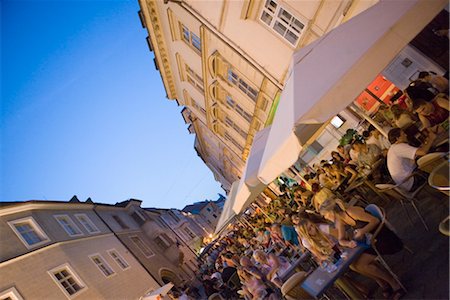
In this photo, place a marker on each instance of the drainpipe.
(125, 245)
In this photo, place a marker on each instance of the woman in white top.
(271, 265)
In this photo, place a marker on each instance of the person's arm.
(341, 234)
(358, 213)
(425, 122)
(442, 102)
(353, 174)
(426, 146)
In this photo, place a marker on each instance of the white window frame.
(30, 220)
(89, 221)
(142, 245)
(73, 274)
(118, 258)
(104, 263)
(273, 18)
(11, 293)
(191, 38)
(194, 79)
(70, 222)
(242, 85)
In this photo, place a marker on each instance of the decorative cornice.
(161, 53)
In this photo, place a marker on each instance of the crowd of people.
(317, 216)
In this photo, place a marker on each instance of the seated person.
(320, 195)
(432, 113)
(401, 158)
(253, 287)
(440, 83)
(368, 155)
(272, 266)
(361, 223)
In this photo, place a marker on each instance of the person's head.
(366, 134)
(315, 187)
(276, 227)
(358, 146)
(422, 107)
(317, 240)
(419, 90)
(335, 155)
(260, 256)
(245, 261)
(396, 135)
(330, 208)
(424, 75)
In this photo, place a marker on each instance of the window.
(87, 223)
(194, 79)
(191, 39)
(234, 79)
(120, 222)
(29, 232)
(69, 226)
(10, 294)
(236, 127)
(163, 241)
(189, 232)
(119, 259)
(141, 245)
(138, 217)
(198, 107)
(228, 137)
(102, 265)
(67, 280)
(282, 21)
(237, 108)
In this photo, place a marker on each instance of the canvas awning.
(159, 294)
(228, 213)
(327, 75)
(250, 186)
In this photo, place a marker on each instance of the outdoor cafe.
(353, 144)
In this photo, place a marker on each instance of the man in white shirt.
(401, 157)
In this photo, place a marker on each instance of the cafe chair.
(395, 191)
(431, 160)
(378, 212)
(438, 178)
(292, 290)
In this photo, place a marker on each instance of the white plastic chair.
(439, 177)
(378, 212)
(429, 161)
(403, 196)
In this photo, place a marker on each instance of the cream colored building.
(60, 250)
(227, 61)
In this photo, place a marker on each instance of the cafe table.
(294, 265)
(320, 279)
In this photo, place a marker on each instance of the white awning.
(250, 186)
(329, 74)
(227, 214)
(159, 294)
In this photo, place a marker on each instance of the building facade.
(57, 250)
(227, 62)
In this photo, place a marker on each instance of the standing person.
(362, 223)
(401, 158)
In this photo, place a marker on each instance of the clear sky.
(84, 112)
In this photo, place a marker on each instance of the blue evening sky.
(84, 112)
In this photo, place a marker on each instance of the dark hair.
(423, 74)
(417, 103)
(419, 90)
(394, 134)
(366, 134)
(396, 96)
(371, 128)
(315, 187)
